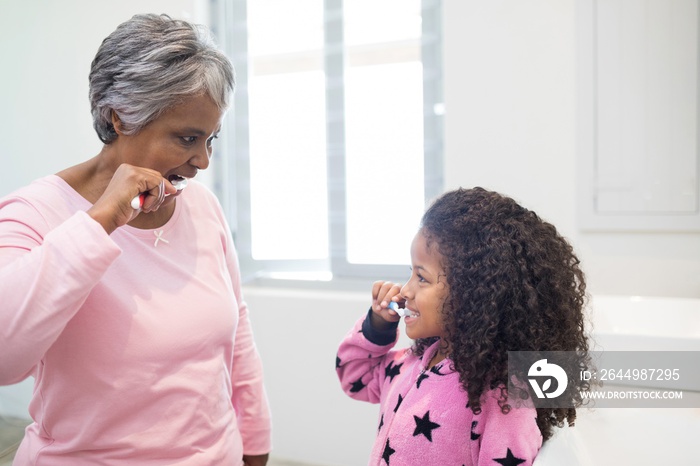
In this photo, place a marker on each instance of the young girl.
(488, 277)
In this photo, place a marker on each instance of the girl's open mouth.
(410, 316)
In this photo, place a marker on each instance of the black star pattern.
(357, 386)
(509, 460)
(388, 451)
(425, 426)
(337, 362)
(392, 371)
(474, 435)
(421, 378)
(436, 370)
(381, 423)
(398, 403)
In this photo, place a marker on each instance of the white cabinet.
(638, 114)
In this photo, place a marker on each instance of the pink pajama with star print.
(424, 418)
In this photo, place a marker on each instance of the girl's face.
(426, 290)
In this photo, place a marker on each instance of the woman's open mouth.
(178, 182)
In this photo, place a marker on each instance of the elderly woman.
(120, 290)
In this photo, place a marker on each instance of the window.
(334, 142)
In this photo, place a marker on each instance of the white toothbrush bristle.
(180, 184)
(403, 312)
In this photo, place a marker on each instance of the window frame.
(228, 23)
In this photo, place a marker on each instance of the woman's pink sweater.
(139, 341)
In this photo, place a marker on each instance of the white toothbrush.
(402, 311)
(137, 202)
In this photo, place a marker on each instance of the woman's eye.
(189, 139)
(209, 141)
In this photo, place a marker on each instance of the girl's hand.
(113, 209)
(382, 294)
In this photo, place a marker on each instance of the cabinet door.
(637, 130)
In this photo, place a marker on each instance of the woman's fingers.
(143, 187)
(156, 190)
(154, 196)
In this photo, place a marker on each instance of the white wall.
(510, 118)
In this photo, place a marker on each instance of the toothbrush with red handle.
(137, 202)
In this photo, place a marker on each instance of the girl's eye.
(209, 141)
(189, 139)
(419, 276)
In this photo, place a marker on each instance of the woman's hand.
(113, 209)
(257, 460)
(382, 294)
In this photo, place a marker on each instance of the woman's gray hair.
(149, 64)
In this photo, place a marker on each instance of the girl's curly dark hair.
(514, 285)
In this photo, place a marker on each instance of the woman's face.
(426, 290)
(178, 143)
